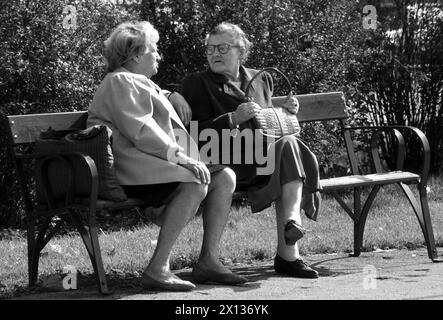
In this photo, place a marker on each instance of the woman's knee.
(194, 190)
(225, 180)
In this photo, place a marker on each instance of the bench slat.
(107, 204)
(318, 106)
(313, 107)
(26, 128)
(100, 204)
(368, 180)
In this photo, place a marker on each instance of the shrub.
(402, 73)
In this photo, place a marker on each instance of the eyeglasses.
(222, 48)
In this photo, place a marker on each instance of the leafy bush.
(402, 73)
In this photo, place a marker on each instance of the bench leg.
(358, 236)
(36, 243)
(32, 262)
(90, 239)
(360, 221)
(424, 218)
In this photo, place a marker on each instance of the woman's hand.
(246, 111)
(197, 167)
(291, 104)
(181, 106)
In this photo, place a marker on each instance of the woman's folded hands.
(198, 168)
(246, 111)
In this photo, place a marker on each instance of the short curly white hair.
(128, 40)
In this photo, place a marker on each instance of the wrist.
(234, 120)
(183, 158)
(168, 96)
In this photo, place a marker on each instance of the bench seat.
(355, 181)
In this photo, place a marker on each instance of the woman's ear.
(137, 59)
(242, 54)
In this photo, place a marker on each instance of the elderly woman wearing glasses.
(152, 163)
(217, 101)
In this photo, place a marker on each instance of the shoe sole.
(305, 276)
(293, 234)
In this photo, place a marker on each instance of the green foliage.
(49, 62)
(295, 36)
(401, 73)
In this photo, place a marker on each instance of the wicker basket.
(275, 122)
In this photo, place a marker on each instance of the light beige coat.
(144, 128)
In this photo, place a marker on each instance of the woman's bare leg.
(177, 214)
(288, 260)
(215, 216)
(288, 208)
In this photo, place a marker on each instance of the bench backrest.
(318, 106)
(26, 128)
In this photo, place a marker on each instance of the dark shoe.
(293, 232)
(150, 283)
(297, 268)
(201, 276)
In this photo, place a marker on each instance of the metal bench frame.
(24, 129)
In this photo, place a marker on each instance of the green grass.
(248, 237)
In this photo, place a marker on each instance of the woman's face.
(224, 63)
(149, 61)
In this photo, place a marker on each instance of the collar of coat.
(167, 105)
(228, 86)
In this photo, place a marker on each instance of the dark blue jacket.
(212, 97)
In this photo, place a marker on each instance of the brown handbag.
(275, 122)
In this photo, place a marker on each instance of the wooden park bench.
(22, 131)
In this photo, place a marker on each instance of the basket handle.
(275, 112)
(248, 98)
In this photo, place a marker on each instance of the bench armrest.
(401, 150)
(67, 158)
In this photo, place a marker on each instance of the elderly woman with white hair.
(153, 164)
(217, 100)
